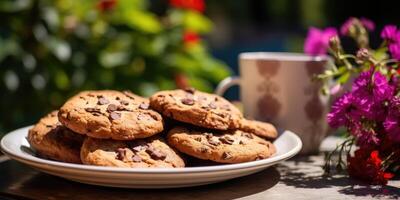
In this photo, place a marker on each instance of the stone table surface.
(298, 178)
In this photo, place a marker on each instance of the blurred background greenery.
(51, 49)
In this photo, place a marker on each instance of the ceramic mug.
(278, 88)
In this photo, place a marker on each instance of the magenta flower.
(364, 103)
(367, 23)
(365, 135)
(370, 90)
(394, 50)
(392, 121)
(317, 41)
(381, 88)
(344, 29)
(390, 33)
(338, 116)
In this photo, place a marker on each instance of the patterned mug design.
(268, 105)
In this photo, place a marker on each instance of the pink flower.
(390, 33)
(335, 89)
(344, 29)
(367, 23)
(395, 50)
(317, 41)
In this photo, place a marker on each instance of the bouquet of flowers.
(369, 112)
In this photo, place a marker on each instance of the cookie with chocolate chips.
(232, 146)
(110, 114)
(52, 140)
(142, 153)
(197, 108)
(262, 129)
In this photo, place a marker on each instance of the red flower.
(367, 166)
(106, 5)
(197, 5)
(190, 37)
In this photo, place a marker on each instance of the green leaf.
(197, 22)
(344, 78)
(380, 54)
(143, 21)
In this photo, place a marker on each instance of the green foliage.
(50, 50)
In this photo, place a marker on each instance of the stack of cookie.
(121, 129)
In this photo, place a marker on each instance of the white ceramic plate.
(15, 145)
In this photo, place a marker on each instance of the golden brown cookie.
(142, 153)
(110, 114)
(197, 108)
(52, 140)
(262, 129)
(232, 146)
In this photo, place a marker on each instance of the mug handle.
(226, 84)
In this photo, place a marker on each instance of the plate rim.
(36, 161)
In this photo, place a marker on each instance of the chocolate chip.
(212, 105)
(190, 90)
(226, 139)
(208, 135)
(117, 98)
(205, 107)
(155, 153)
(115, 115)
(198, 139)
(203, 150)
(102, 101)
(121, 153)
(128, 94)
(242, 142)
(112, 107)
(226, 156)
(124, 102)
(49, 126)
(144, 106)
(216, 99)
(248, 135)
(188, 101)
(223, 115)
(136, 158)
(93, 110)
(138, 148)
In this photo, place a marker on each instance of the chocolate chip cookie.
(197, 108)
(262, 129)
(142, 153)
(110, 114)
(232, 146)
(52, 140)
